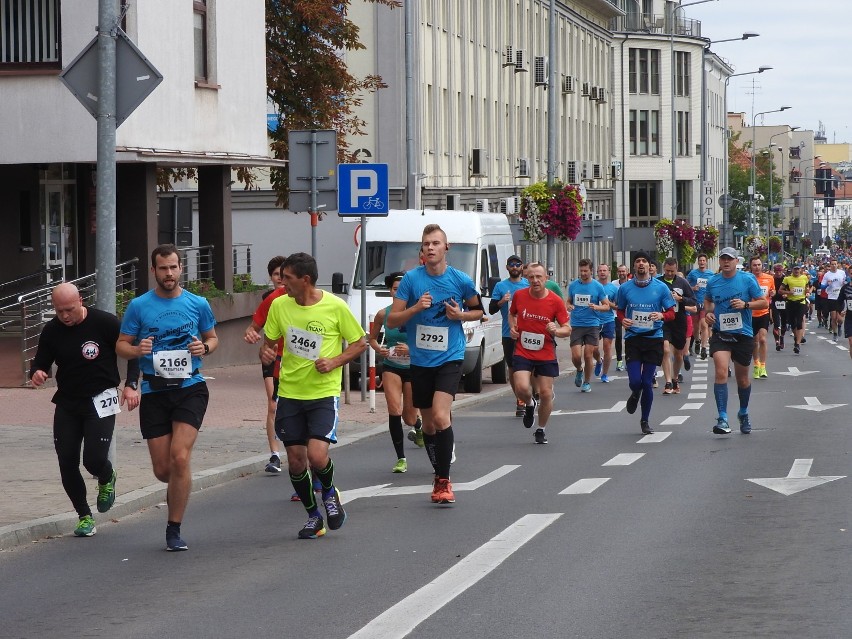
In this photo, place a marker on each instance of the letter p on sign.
(363, 189)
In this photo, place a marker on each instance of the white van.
(480, 244)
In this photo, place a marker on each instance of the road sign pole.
(313, 211)
(364, 325)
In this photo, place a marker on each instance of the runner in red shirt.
(536, 317)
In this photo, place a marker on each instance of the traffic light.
(823, 180)
(828, 200)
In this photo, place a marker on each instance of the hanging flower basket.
(554, 211)
(755, 246)
(706, 240)
(774, 244)
(807, 243)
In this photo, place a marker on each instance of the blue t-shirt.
(611, 290)
(698, 280)
(172, 322)
(581, 294)
(433, 339)
(507, 286)
(638, 301)
(722, 290)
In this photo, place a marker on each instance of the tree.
(739, 181)
(307, 77)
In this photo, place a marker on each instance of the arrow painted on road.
(617, 408)
(796, 480)
(792, 371)
(813, 404)
(385, 490)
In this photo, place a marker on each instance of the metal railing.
(197, 263)
(35, 308)
(10, 290)
(656, 24)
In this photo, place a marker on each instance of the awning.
(171, 157)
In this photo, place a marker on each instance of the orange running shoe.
(445, 492)
(435, 492)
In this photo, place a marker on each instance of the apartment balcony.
(656, 24)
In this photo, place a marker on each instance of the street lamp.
(754, 158)
(790, 129)
(674, 112)
(725, 240)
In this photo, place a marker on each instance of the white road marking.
(402, 618)
(585, 486)
(813, 404)
(698, 386)
(674, 420)
(697, 396)
(695, 406)
(842, 348)
(624, 459)
(797, 479)
(617, 408)
(792, 371)
(699, 378)
(656, 438)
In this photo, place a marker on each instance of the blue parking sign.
(362, 189)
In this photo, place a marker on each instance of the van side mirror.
(492, 282)
(338, 287)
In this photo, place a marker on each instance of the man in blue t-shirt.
(586, 298)
(698, 278)
(643, 304)
(603, 355)
(501, 298)
(430, 302)
(729, 298)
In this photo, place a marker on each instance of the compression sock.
(649, 372)
(326, 477)
(720, 392)
(304, 489)
(745, 394)
(395, 428)
(444, 451)
(429, 444)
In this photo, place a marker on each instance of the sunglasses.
(514, 263)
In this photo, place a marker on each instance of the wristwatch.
(206, 348)
(133, 385)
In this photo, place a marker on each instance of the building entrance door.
(58, 224)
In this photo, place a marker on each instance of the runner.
(729, 299)
(779, 307)
(170, 330)
(644, 303)
(794, 289)
(760, 317)
(430, 303)
(622, 273)
(698, 278)
(845, 298)
(586, 297)
(832, 282)
(314, 325)
(396, 379)
(674, 331)
(603, 357)
(537, 316)
(81, 341)
(501, 297)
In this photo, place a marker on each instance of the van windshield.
(383, 258)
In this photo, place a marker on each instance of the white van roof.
(460, 226)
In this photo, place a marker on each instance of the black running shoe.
(646, 427)
(686, 364)
(312, 529)
(796, 349)
(173, 541)
(539, 436)
(633, 401)
(334, 510)
(529, 414)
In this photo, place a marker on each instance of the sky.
(807, 44)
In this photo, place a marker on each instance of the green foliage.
(122, 299)
(244, 284)
(206, 289)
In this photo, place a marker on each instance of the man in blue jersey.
(430, 302)
(603, 355)
(698, 278)
(643, 304)
(501, 298)
(729, 299)
(586, 298)
(170, 330)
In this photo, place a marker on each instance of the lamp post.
(724, 240)
(674, 112)
(789, 130)
(802, 197)
(752, 210)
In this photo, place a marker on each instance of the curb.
(137, 500)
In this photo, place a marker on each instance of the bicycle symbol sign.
(363, 189)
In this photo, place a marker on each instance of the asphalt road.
(600, 534)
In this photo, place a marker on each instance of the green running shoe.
(106, 494)
(401, 466)
(85, 527)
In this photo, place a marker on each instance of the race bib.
(532, 341)
(765, 290)
(303, 344)
(582, 300)
(849, 305)
(701, 282)
(433, 338)
(780, 305)
(798, 291)
(400, 359)
(642, 319)
(106, 403)
(730, 322)
(173, 364)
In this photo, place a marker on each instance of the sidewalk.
(232, 443)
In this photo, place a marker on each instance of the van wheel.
(473, 380)
(499, 373)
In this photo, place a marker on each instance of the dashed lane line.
(624, 459)
(694, 406)
(585, 486)
(674, 420)
(656, 438)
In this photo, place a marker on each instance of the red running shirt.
(533, 315)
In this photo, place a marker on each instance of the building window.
(199, 8)
(644, 132)
(683, 132)
(684, 197)
(682, 73)
(29, 34)
(644, 204)
(644, 71)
